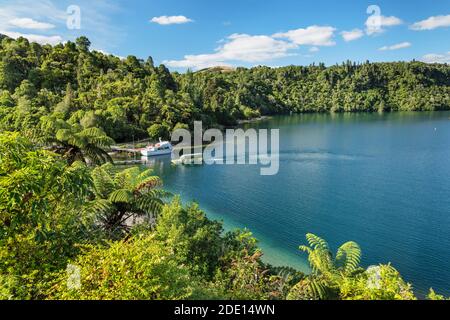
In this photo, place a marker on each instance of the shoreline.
(253, 120)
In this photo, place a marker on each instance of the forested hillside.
(134, 98)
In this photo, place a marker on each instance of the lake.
(382, 180)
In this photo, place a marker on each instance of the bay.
(382, 180)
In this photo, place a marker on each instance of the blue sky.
(202, 33)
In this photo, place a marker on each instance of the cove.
(382, 180)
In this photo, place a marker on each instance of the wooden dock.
(124, 150)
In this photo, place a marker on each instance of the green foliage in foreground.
(131, 99)
(163, 265)
(138, 269)
(39, 221)
(341, 277)
(53, 243)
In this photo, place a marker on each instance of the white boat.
(160, 149)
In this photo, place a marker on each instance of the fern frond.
(305, 249)
(103, 183)
(148, 183)
(121, 196)
(319, 289)
(348, 257)
(317, 242)
(63, 135)
(127, 178)
(160, 193)
(321, 262)
(100, 207)
(150, 205)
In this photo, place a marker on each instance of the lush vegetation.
(127, 239)
(131, 98)
(73, 226)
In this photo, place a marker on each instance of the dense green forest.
(134, 98)
(74, 226)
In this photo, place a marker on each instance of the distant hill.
(222, 69)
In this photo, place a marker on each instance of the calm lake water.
(380, 180)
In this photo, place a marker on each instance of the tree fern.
(74, 142)
(121, 197)
(328, 273)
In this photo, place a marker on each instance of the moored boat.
(160, 149)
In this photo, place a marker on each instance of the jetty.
(124, 150)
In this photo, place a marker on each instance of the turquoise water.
(380, 180)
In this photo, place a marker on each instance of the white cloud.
(22, 13)
(396, 46)
(34, 37)
(375, 24)
(312, 35)
(237, 47)
(437, 58)
(167, 20)
(28, 23)
(432, 23)
(255, 49)
(96, 21)
(352, 35)
(13, 16)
